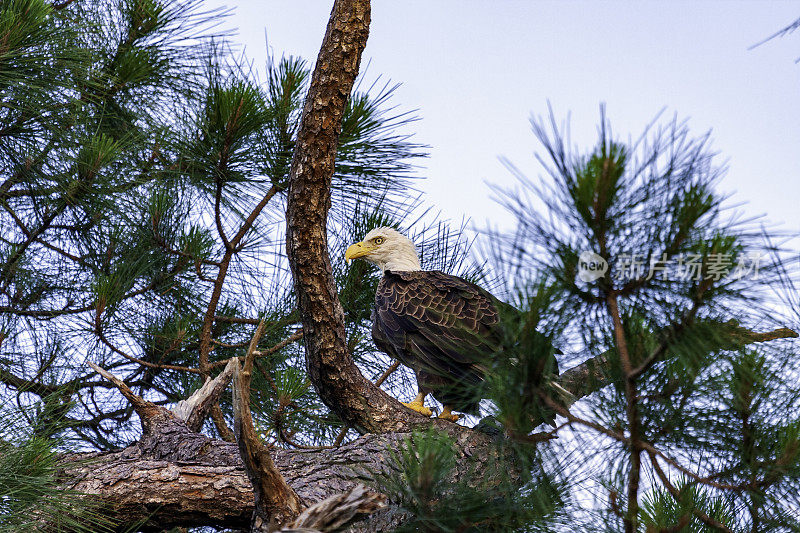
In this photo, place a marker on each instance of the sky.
(476, 71)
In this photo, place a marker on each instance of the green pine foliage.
(699, 422)
(495, 493)
(30, 498)
(660, 510)
(144, 169)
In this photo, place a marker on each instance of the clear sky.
(477, 70)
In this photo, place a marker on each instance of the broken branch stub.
(333, 513)
(196, 407)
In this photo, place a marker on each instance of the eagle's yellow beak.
(359, 249)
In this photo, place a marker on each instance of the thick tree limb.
(358, 402)
(176, 477)
(743, 336)
(594, 373)
(189, 480)
(587, 377)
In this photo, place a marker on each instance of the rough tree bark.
(180, 463)
(275, 501)
(358, 402)
(175, 477)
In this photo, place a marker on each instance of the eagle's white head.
(387, 248)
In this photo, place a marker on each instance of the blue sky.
(477, 70)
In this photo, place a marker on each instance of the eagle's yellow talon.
(418, 407)
(448, 414)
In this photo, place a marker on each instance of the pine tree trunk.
(358, 402)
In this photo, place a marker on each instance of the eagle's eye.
(379, 240)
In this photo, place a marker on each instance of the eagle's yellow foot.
(448, 414)
(418, 407)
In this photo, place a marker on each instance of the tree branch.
(175, 477)
(275, 501)
(190, 480)
(196, 408)
(594, 373)
(150, 414)
(337, 511)
(294, 337)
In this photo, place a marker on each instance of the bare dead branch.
(150, 414)
(294, 337)
(135, 400)
(196, 408)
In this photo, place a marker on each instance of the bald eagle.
(443, 327)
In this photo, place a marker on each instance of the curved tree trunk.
(358, 402)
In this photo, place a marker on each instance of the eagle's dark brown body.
(443, 327)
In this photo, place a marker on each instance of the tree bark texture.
(176, 477)
(190, 480)
(358, 402)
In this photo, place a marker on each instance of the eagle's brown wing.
(442, 326)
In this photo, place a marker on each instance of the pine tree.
(146, 169)
(147, 174)
(676, 414)
(696, 430)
